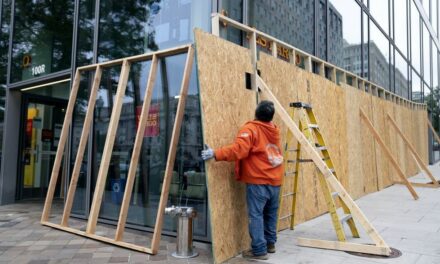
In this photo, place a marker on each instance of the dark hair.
(265, 111)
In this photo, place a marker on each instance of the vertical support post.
(274, 49)
(108, 148)
(61, 146)
(292, 58)
(172, 151)
(82, 146)
(308, 64)
(253, 48)
(437, 138)
(333, 75)
(136, 149)
(215, 25)
(321, 69)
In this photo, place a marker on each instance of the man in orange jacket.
(258, 163)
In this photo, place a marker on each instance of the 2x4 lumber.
(99, 238)
(437, 138)
(137, 58)
(253, 48)
(60, 149)
(344, 246)
(413, 150)
(108, 148)
(274, 49)
(136, 150)
(215, 25)
(308, 63)
(330, 177)
(388, 154)
(81, 147)
(172, 151)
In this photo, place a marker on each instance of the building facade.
(394, 43)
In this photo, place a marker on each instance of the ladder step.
(284, 217)
(289, 173)
(288, 194)
(292, 150)
(300, 105)
(345, 218)
(321, 148)
(315, 126)
(326, 158)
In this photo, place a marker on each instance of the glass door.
(42, 121)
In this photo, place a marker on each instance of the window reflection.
(291, 21)
(188, 187)
(379, 9)
(86, 25)
(345, 51)
(416, 88)
(401, 76)
(379, 57)
(133, 27)
(415, 37)
(42, 38)
(400, 25)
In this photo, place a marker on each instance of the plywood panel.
(226, 106)
(382, 170)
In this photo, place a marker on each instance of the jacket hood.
(268, 128)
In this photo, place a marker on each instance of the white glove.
(207, 153)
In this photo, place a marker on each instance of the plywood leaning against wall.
(226, 106)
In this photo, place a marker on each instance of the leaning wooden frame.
(422, 166)
(380, 247)
(108, 147)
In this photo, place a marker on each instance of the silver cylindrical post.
(184, 245)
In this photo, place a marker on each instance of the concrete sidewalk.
(410, 226)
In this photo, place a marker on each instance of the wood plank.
(61, 146)
(313, 154)
(388, 154)
(81, 147)
(136, 149)
(437, 138)
(108, 148)
(99, 238)
(418, 184)
(172, 151)
(413, 150)
(343, 246)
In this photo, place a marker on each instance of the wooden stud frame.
(108, 147)
(380, 247)
(415, 155)
(388, 154)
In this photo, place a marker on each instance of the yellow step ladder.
(309, 127)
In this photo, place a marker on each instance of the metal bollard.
(184, 247)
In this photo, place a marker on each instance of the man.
(259, 164)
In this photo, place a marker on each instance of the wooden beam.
(418, 184)
(388, 154)
(99, 238)
(437, 138)
(413, 150)
(61, 146)
(317, 159)
(343, 246)
(81, 147)
(172, 151)
(108, 148)
(136, 149)
(215, 25)
(274, 49)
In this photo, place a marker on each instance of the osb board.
(382, 167)
(226, 106)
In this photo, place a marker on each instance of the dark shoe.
(270, 248)
(248, 254)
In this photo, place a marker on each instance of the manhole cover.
(395, 253)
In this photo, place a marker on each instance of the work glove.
(207, 153)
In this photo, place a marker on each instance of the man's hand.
(207, 153)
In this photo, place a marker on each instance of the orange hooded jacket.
(257, 154)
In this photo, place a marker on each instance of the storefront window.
(42, 40)
(400, 23)
(134, 27)
(291, 21)
(415, 37)
(379, 57)
(188, 187)
(401, 76)
(345, 48)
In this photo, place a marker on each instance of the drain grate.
(395, 253)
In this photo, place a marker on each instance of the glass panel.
(86, 25)
(379, 10)
(345, 46)
(427, 96)
(401, 76)
(416, 94)
(289, 21)
(234, 10)
(379, 57)
(434, 15)
(42, 41)
(4, 47)
(434, 66)
(365, 39)
(134, 27)
(426, 56)
(400, 30)
(415, 37)
(322, 30)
